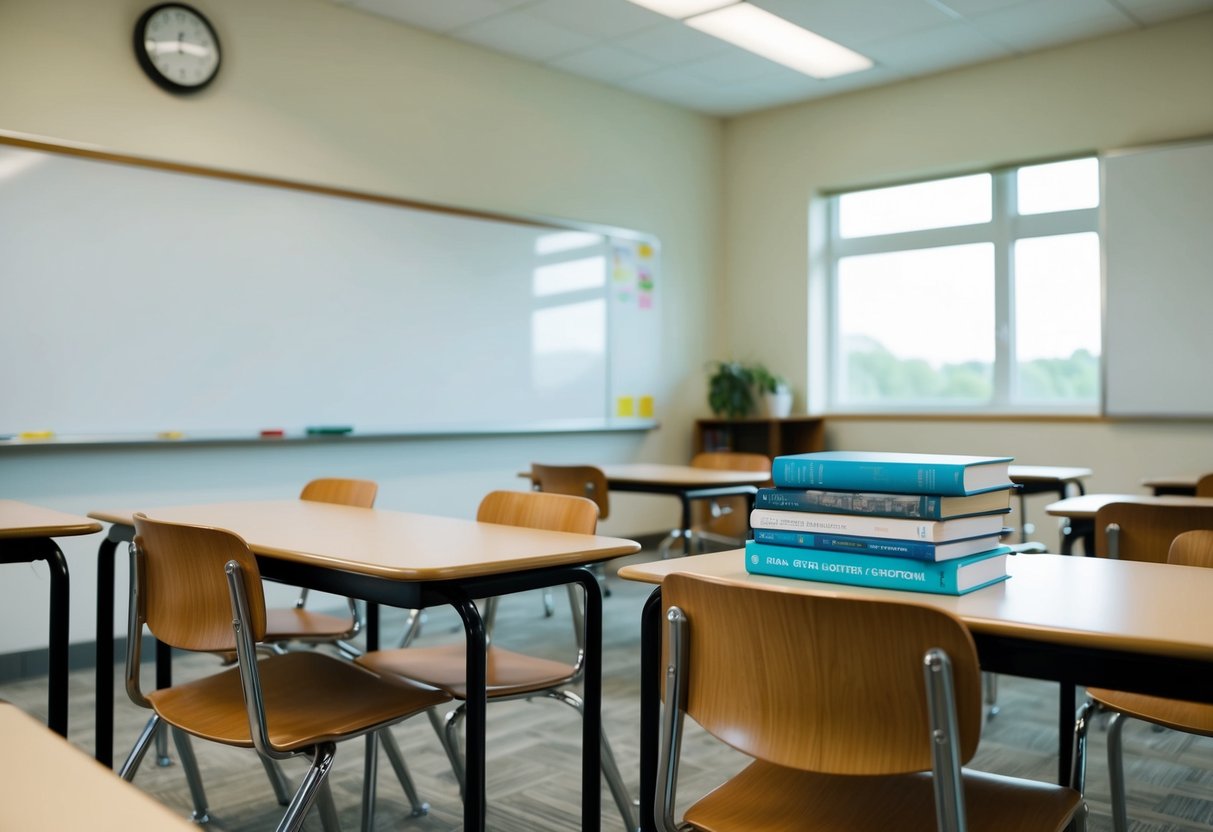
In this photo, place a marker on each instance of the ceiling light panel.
(775, 39)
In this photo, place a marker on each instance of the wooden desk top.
(396, 545)
(1173, 481)
(20, 520)
(1046, 473)
(1090, 602)
(1086, 506)
(47, 783)
(680, 476)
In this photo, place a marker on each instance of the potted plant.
(776, 394)
(730, 389)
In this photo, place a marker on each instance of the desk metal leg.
(474, 727)
(650, 706)
(686, 527)
(591, 728)
(60, 596)
(104, 713)
(372, 626)
(1065, 731)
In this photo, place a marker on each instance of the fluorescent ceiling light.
(776, 39)
(681, 8)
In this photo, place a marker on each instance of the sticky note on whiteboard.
(645, 410)
(625, 406)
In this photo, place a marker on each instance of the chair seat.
(770, 798)
(1192, 717)
(445, 667)
(295, 623)
(310, 698)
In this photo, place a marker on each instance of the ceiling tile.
(852, 23)
(1039, 24)
(1156, 11)
(436, 17)
(736, 65)
(605, 63)
(595, 18)
(933, 50)
(522, 34)
(672, 43)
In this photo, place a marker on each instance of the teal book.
(936, 474)
(884, 504)
(911, 549)
(951, 577)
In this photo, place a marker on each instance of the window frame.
(1004, 228)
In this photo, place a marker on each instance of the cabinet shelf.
(793, 435)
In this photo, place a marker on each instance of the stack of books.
(920, 522)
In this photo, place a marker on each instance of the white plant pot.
(778, 405)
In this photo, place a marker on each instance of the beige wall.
(1137, 88)
(314, 91)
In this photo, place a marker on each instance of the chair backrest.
(182, 584)
(820, 683)
(1194, 548)
(539, 510)
(346, 492)
(1204, 486)
(1144, 531)
(578, 480)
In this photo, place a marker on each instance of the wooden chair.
(300, 624)
(723, 520)
(579, 481)
(1204, 486)
(199, 588)
(511, 675)
(1191, 549)
(858, 712)
(1144, 531)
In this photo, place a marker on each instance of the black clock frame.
(150, 68)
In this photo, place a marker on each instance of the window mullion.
(1004, 290)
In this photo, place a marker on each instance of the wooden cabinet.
(794, 435)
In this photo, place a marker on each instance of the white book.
(896, 528)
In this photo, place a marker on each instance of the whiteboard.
(1158, 238)
(140, 298)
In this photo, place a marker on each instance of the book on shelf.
(863, 525)
(951, 577)
(887, 547)
(919, 506)
(940, 474)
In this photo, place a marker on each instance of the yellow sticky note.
(625, 406)
(646, 407)
(644, 250)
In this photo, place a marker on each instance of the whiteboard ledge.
(293, 437)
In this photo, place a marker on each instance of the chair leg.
(549, 605)
(327, 808)
(313, 782)
(282, 789)
(369, 776)
(448, 734)
(163, 760)
(1116, 773)
(990, 682)
(394, 756)
(189, 764)
(412, 628)
(131, 765)
(610, 769)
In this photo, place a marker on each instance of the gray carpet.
(534, 747)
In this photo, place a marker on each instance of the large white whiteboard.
(139, 299)
(1158, 238)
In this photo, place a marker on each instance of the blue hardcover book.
(884, 504)
(870, 525)
(910, 549)
(952, 577)
(940, 474)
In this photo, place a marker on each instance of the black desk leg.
(1065, 731)
(474, 734)
(686, 527)
(60, 596)
(650, 706)
(104, 714)
(591, 728)
(372, 626)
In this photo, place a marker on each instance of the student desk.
(1079, 513)
(1048, 621)
(27, 534)
(415, 561)
(1180, 485)
(47, 783)
(1044, 479)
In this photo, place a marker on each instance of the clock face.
(177, 47)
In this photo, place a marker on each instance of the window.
(977, 292)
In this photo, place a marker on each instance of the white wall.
(313, 91)
(1131, 89)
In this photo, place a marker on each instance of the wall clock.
(177, 47)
